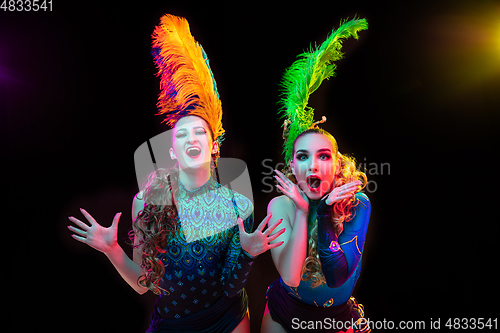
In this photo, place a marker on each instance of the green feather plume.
(305, 75)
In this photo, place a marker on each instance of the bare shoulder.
(282, 206)
(281, 202)
(139, 196)
(138, 201)
(137, 205)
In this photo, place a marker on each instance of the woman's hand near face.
(339, 193)
(293, 192)
(342, 192)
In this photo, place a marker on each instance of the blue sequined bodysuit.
(204, 261)
(340, 259)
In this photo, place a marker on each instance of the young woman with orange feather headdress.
(191, 235)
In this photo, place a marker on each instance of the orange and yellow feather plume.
(187, 85)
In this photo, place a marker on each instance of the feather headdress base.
(287, 123)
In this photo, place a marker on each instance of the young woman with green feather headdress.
(323, 211)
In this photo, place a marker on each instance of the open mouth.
(313, 182)
(193, 151)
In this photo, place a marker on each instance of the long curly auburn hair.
(155, 224)
(343, 210)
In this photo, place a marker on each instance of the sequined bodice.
(204, 260)
(210, 210)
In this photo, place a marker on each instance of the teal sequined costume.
(205, 266)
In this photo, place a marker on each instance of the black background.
(418, 92)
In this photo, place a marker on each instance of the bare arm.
(105, 241)
(289, 258)
(130, 270)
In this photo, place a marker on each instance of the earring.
(172, 156)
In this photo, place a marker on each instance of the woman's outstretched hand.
(257, 242)
(95, 235)
(292, 191)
